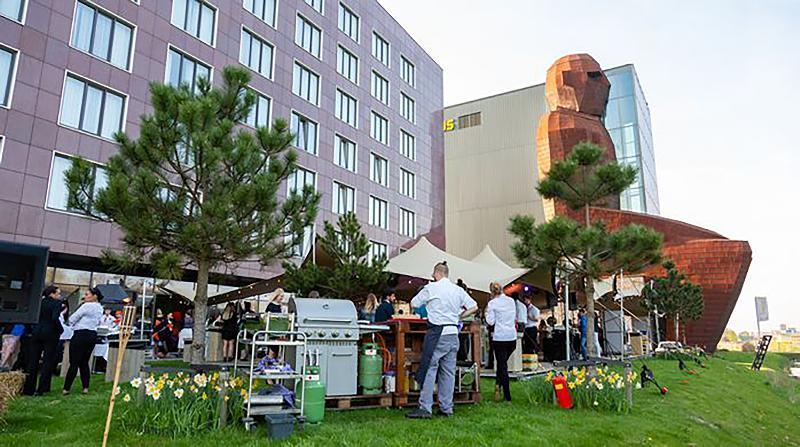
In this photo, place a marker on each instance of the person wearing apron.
(446, 304)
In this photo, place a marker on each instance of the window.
(344, 198)
(349, 22)
(102, 35)
(408, 183)
(379, 169)
(473, 119)
(408, 108)
(259, 114)
(408, 145)
(301, 247)
(183, 69)
(91, 108)
(346, 108)
(263, 9)
(8, 69)
(408, 71)
(344, 153)
(408, 223)
(380, 48)
(58, 197)
(13, 9)
(256, 53)
(380, 88)
(305, 133)
(377, 250)
(380, 128)
(299, 179)
(347, 64)
(305, 84)
(2, 146)
(378, 212)
(308, 36)
(316, 4)
(196, 18)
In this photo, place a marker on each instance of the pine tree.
(196, 190)
(674, 296)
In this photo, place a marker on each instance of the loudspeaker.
(22, 272)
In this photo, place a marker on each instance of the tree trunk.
(200, 314)
(677, 328)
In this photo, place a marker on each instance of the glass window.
(259, 114)
(380, 88)
(380, 48)
(2, 146)
(305, 84)
(621, 84)
(378, 212)
(263, 9)
(305, 133)
(408, 223)
(344, 153)
(346, 108)
(408, 145)
(408, 72)
(408, 108)
(380, 128)
(8, 62)
(377, 250)
(183, 69)
(300, 248)
(349, 22)
(308, 36)
(91, 108)
(196, 18)
(379, 169)
(256, 53)
(58, 197)
(316, 4)
(299, 179)
(344, 198)
(408, 184)
(627, 111)
(12, 9)
(347, 64)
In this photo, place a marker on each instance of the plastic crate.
(280, 425)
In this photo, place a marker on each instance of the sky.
(722, 82)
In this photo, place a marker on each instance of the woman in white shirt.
(502, 313)
(84, 323)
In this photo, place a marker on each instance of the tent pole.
(621, 318)
(568, 337)
(144, 299)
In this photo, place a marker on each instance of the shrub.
(598, 389)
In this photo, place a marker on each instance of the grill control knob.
(309, 333)
(335, 334)
(348, 334)
(321, 334)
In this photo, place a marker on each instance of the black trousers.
(502, 351)
(80, 353)
(44, 349)
(530, 343)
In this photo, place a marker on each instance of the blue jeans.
(443, 366)
(584, 353)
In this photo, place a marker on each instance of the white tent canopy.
(418, 262)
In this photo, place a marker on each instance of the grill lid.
(324, 312)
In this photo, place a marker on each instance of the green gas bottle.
(314, 396)
(370, 367)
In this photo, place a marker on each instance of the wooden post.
(223, 391)
(628, 385)
(140, 393)
(125, 327)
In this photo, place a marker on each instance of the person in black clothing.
(230, 329)
(44, 343)
(385, 311)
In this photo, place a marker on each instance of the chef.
(446, 304)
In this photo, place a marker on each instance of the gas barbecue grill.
(332, 330)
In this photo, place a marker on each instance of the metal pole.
(144, 298)
(621, 319)
(758, 321)
(658, 331)
(567, 338)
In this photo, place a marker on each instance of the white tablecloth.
(101, 350)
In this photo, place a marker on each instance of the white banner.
(762, 312)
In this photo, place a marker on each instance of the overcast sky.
(722, 81)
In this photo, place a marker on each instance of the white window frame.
(213, 43)
(88, 81)
(98, 8)
(408, 183)
(347, 9)
(373, 253)
(319, 82)
(316, 131)
(337, 159)
(12, 80)
(196, 59)
(24, 14)
(306, 172)
(274, 23)
(405, 63)
(378, 212)
(407, 101)
(335, 194)
(375, 80)
(57, 153)
(376, 37)
(373, 159)
(404, 213)
(404, 150)
(340, 49)
(314, 26)
(341, 95)
(372, 130)
(263, 41)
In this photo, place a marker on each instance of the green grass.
(726, 404)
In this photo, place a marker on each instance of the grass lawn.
(726, 404)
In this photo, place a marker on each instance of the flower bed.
(180, 404)
(598, 388)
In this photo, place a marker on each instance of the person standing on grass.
(44, 343)
(501, 312)
(84, 323)
(446, 304)
(230, 329)
(583, 323)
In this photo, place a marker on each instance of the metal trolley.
(263, 405)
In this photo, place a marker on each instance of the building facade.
(494, 139)
(363, 98)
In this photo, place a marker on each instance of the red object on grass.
(562, 392)
(664, 390)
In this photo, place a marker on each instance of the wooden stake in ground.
(125, 327)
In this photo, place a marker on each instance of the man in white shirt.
(446, 304)
(530, 344)
(522, 312)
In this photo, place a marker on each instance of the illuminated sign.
(449, 125)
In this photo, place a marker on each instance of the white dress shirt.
(86, 317)
(501, 312)
(533, 316)
(67, 333)
(444, 302)
(522, 312)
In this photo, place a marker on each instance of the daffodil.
(127, 398)
(178, 393)
(136, 382)
(156, 395)
(193, 389)
(204, 396)
(571, 385)
(596, 403)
